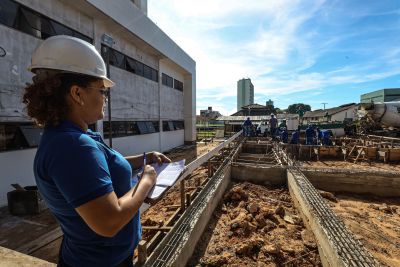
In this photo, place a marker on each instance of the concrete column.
(189, 108)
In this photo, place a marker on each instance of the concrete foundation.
(384, 184)
(263, 175)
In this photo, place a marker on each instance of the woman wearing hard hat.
(86, 184)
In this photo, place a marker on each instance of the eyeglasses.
(103, 91)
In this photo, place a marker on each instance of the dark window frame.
(169, 125)
(22, 21)
(129, 64)
(178, 85)
(19, 136)
(130, 128)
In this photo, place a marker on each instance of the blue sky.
(309, 51)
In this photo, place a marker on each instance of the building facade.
(337, 114)
(383, 95)
(209, 113)
(255, 110)
(245, 93)
(153, 105)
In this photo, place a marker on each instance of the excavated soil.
(375, 222)
(365, 166)
(256, 226)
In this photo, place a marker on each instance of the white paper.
(167, 174)
(156, 192)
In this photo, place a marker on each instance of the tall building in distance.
(245, 93)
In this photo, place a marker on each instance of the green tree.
(296, 108)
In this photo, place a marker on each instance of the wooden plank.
(351, 151)
(360, 151)
(36, 244)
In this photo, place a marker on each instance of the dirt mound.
(256, 226)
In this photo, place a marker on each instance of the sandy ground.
(375, 222)
(372, 166)
(256, 226)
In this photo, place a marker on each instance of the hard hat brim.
(108, 83)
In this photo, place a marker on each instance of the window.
(8, 12)
(16, 135)
(173, 125)
(166, 126)
(129, 128)
(147, 72)
(124, 62)
(154, 75)
(167, 80)
(179, 125)
(19, 17)
(117, 59)
(178, 85)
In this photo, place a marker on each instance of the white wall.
(349, 113)
(172, 139)
(15, 167)
(137, 144)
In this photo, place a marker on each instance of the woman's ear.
(76, 96)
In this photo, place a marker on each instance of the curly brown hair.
(46, 100)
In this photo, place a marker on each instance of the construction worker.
(273, 122)
(87, 185)
(319, 136)
(326, 135)
(247, 127)
(309, 135)
(284, 135)
(295, 137)
(282, 124)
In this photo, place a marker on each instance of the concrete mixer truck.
(382, 117)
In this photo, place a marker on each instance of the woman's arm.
(152, 157)
(108, 214)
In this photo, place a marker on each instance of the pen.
(144, 159)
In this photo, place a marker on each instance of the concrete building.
(245, 93)
(383, 95)
(154, 100)
(209, 113)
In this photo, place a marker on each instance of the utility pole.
(324, 104)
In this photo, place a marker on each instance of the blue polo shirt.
(73, 167)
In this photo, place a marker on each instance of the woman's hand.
(149, 175)
(157, 157)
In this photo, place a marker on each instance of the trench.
(199, 233)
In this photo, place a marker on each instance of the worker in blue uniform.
(326, 135)
(87, 185)
(247, 127)
(319, 136)
(273, 123)
(284, 135)
(310, 135)
(295, 137)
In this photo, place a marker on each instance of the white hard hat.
(70, 54)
